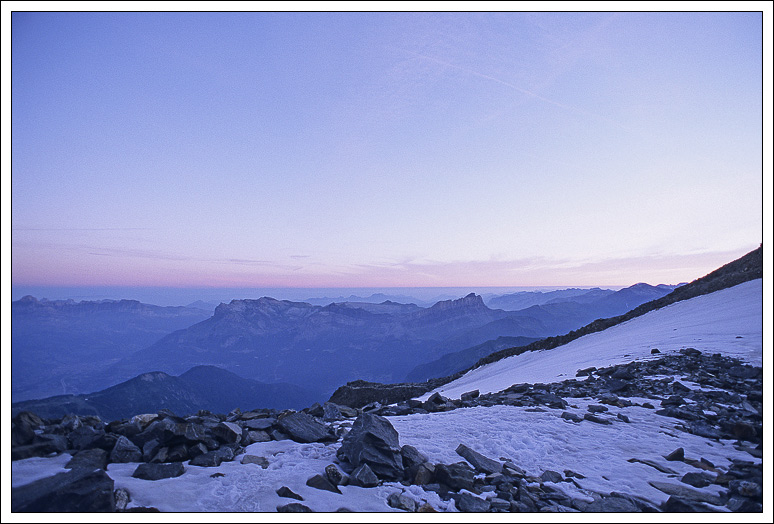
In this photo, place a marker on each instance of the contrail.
(517, 88)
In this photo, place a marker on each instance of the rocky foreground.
(727, 405)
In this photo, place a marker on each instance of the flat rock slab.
(686, 493)
(78, 490)
(479, 461)
(303, 427)
(158, 471)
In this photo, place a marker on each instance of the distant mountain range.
(60, 346)
(90, 346)
(201, 387)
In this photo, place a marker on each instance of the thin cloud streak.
(519, 89)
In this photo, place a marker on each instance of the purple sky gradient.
(383, 149)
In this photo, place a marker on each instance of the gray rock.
(254, 459)
(457, 476)
(623, 418)
(294, 507)
(227, 432)
(303, 427)
(571, 417)
(468, 503)
(158, 471)
(425, 474)
(286, 492)
(122, 499)
(551, 476)
(257, 436)
(678, 454)
(78, 490)
(334, 474)
(479, 461)
(213, 459)
(598, 420)
(597, 408)
(332, 412)
(401, 501)
(84, 437)
(745, 488)
(469, 395)
(363, 476)
(687, 493)
(739, 504)
(675, 504)
(612, 504)
(697, 479)
(373, 441)
(89, 459)
(125, 451)
(321, 482)
(259, 423)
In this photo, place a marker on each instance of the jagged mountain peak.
(469, 301)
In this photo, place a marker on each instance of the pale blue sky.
(384, 149)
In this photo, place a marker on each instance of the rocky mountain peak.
(470, 301)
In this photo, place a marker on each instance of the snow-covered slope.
(535, 439)
(727, 321)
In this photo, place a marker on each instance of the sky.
(279, 149)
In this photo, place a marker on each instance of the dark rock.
(686, 493)
(303, 427)
(585, 372)
(89, 459)
(457, 476)
(614, 385)
(227, 432)
(331, 412)
(41, 448)
(294, 507)
(696, 479)
(213, 459)
(286, 492)
(411, 457)
(469, 395)
(654, 351)
(425, 474)
(678, 454)
(705, 430)
(744, 431)
(334, 474)
(551, 476)
(363, 476)
(401, 501)
(125, 451)
(78, 490)
(21, 434)
(479, 461)
(468, 503)
(276, 434)
(373, 440)
(196, 450)
(622, 417)
(675, 504)
(158, 471)
(674, 400)
(596, 408)
(745, 488)
(598, 420)
(739, 504)
(259, 423)
(320, 482)
(571, 417)
(84, 437)
(690, 352)
(622, 373)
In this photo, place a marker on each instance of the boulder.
(158, 471)
(122, 499)
(479, 461)
(321, 482)
(469, 395)
(259, 423)
(303, 427)
(572, 417)
(678, 454)
(697, 479)
(256, 436)
(331, 412)
(213, 459)
(373, 441)
(400, 501)
(293, 507)
(125, 451)
(334, 474)
(254, 459)
(363, 476)
(551, 476)
(227, 432)
(457, 476)
(89, 459)
(471, 504)
(286, 492)
(78, 490)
